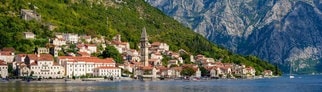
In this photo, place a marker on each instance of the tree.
(187, 71)
(10, 70)
(204, 71)
(165, 60)
(111, 52)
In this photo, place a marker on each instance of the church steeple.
(144, 47)
(144, 36)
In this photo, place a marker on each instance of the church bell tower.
(144, 47)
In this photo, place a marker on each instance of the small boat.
(291, 76)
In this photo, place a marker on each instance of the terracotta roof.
(133, 50)
(107, 67)
(87, 59)
(2, 63)
(156, 44)
(119, 43)
(138, 63)
(6, 53)
(162, 68)
(157, 53)
(34, 64)
(249, 68)
(42, 57)
(267, 71)
(146, 68)
(22, 55)
(177, 68)
(219, 64)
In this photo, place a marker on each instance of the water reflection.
(305, 84)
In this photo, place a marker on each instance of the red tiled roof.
(119, 43)
(146, 68)
(156, 44)
(153, 60)
(162, 68)
(177, 68)
(21, 55)
(2, 63)
(87, 59)
(267, 71)
(5, 53)
(42, 57)
(34, 64)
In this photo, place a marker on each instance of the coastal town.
(74, 56)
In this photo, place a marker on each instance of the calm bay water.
(303, 83)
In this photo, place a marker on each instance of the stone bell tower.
(144, 47)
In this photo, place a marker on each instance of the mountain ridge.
(274, 30)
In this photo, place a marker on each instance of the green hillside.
(107, 18)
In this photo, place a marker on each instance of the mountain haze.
(280, 31)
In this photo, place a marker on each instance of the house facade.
(107, 71)
(71, 38)
(29, 35)
(3, 69)
(46, 69)
(80, 66)
(7, 56)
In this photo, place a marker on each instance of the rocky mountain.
(280, 31)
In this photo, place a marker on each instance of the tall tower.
(144, 47)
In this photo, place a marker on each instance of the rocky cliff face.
(279, 31)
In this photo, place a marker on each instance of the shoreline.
(89, 80)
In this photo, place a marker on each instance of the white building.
(160, 46)
(71, 38)
(133, 55)
(42, 66)
(7, 56)
(42, 50)
(3, 69)
(46, 69)
(88, 48)
(107, 71)
(121, 46)
(59, 42)
(156, 55)
(20, 58)
(249, 71)
(29, 35)
(80, 66)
